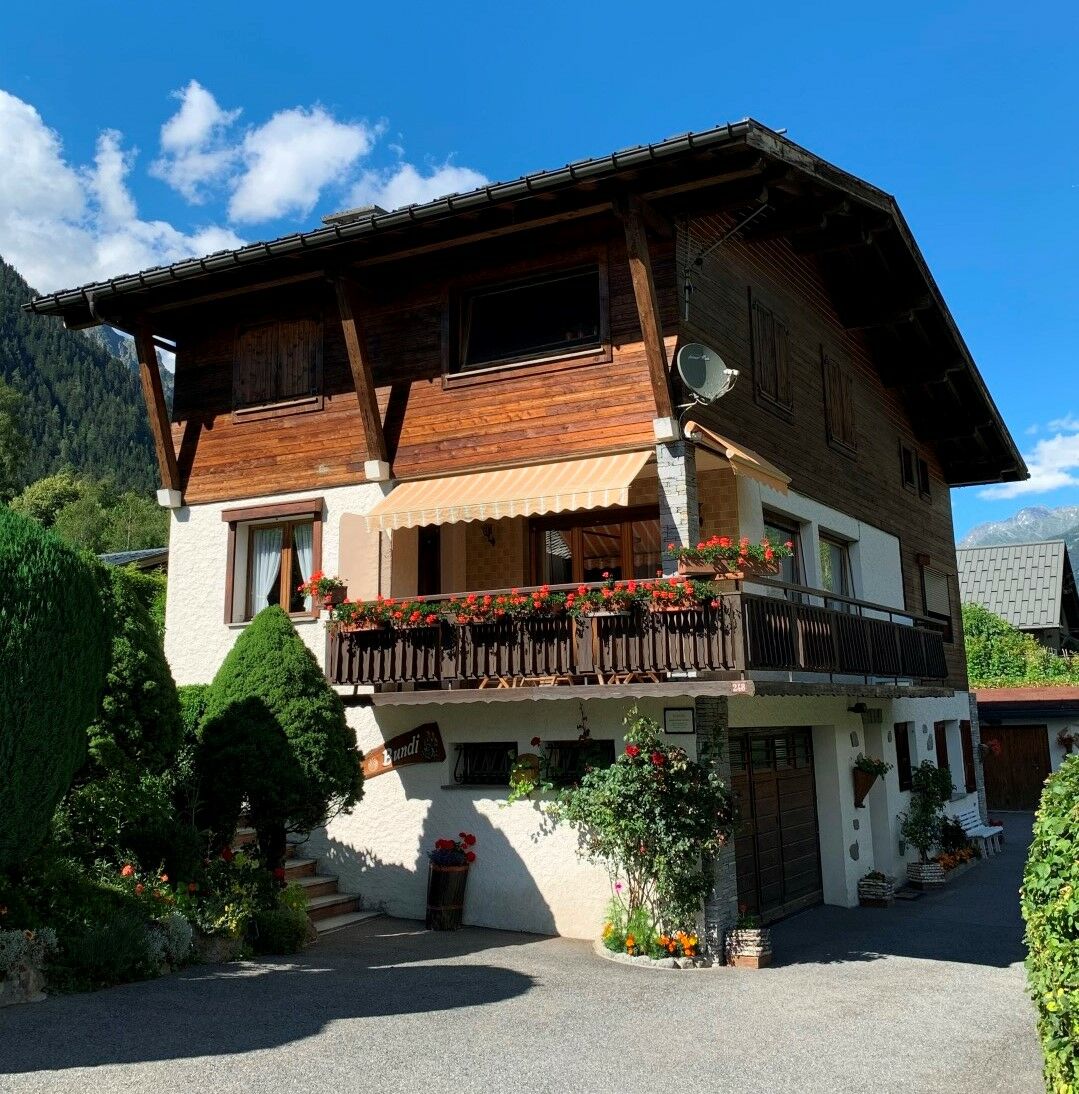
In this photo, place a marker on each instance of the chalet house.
(477, 394)
(1031, 585)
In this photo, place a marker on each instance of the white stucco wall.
(196, 636)
(528, 875)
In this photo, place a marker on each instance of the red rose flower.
(632, 751)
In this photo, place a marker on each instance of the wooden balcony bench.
(986, 835)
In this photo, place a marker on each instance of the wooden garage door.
(776, 846)
(1014, 779)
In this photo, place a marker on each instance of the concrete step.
(297, 868)
(317, 884)
(331, 904)
(337, 922)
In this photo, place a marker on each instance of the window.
(835, 574)
(940, 739)
(790, 568)
(839, 405)
(901, 731)
(567, 761)
(547, 316)
(914, 472)
(272, 549)
(970, 781)
(770, 343)
(622, 543)
(278, 362)
(938, 602)
(486, 764)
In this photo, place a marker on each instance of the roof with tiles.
(1022, 582)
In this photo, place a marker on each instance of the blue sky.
(964, 111)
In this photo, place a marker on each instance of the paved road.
(923, 997)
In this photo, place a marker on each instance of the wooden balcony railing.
(774, 628)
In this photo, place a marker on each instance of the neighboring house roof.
(860, 241)
(1027, 702)
(145, 559)
(1024, 583)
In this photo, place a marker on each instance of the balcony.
(766, 630)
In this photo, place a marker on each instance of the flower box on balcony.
(697, 568)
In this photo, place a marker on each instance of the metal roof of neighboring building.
(150, 556)
(1021, 582)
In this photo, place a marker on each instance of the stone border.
(662, 964)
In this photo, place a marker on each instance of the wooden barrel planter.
(446, 897)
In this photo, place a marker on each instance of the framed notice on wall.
(679, 720)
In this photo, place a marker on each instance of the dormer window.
(534, 319)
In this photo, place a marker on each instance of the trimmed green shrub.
(150, 586)
(280, 930)
(999, 654)
(312, 770)
(193, 699)
(138, 727)
(54, 650)
(1050, 905)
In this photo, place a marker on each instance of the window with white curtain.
(279, 559)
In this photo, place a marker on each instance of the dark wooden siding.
(868, 487)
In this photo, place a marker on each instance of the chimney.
(351, 216)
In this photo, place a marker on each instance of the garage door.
(776, 846)
(1014, 778)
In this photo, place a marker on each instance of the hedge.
(54, 650)
(1050, 904)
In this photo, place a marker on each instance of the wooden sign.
(422, 745)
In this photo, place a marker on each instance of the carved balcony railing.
(766, 627)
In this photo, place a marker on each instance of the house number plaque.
(422, 745)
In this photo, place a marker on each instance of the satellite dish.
(704, 372)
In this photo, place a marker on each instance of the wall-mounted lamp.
(858, 708)
(488, 531)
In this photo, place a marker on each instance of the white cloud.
(195, 151)
(1053, 463)
(291, 159)
(404, 185)
(1068, 424)
(61, 226)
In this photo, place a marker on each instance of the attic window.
(549, 316)
(839, 405)
(915, 472)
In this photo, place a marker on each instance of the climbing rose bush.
(654, 818)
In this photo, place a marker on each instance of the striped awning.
(742, 460)
(598, 482)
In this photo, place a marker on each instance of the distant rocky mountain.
(1029, 526)
(122, 346)
(82, 403)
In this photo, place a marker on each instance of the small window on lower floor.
(936, 590)
(567, 761)
(279, 561)
(484, 764)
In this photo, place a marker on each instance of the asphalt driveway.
(927, 996)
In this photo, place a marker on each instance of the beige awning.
(742, 460)
(597, 482)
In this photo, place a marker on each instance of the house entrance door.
(776, 846)
(1014, 779)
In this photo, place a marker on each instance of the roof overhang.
(1029, 702)
(855, 233)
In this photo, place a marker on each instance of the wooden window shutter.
(937, 598)
(839, 403)
(277, 362)
(764, 357)
(901, 733)
(970, 780)
(781, 341)
(256, 356)
(940, 734)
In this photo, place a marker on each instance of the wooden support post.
(348, 306)
(156, 411)
(644, 289)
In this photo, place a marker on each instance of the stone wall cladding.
(713, 750)
(976, 745)
(679, 513)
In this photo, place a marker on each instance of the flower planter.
(696, 569)
(926, 875)
(876, 892)
(446, 897)
(335, 597)
(863, 783)
(24, 983)
(748, 947)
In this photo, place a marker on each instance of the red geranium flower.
(139, 889)
(632, 751)
(279, 873)
(535, 741)
(470, 840)
(658, 759)
(470, 856)
(127, 871)
(227, 854)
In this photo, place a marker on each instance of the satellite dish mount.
(704, 373)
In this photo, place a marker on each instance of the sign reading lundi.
(422, 745)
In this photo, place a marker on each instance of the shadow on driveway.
(974, 919)
(380, 968)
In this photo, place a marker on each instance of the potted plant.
(22, 960)
(720, 556)
(361, 615)
(748, 945)
(610, 598)
(323, 590)
(680, 594)
(921, 825)
(876, 890)
(867, 769)
(446, 880)
(1066, 739)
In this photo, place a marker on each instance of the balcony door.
(584, 546)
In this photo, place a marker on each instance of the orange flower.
(139, 888)
(164, 877)
(127, 871)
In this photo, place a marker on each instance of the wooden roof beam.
(160, 426)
